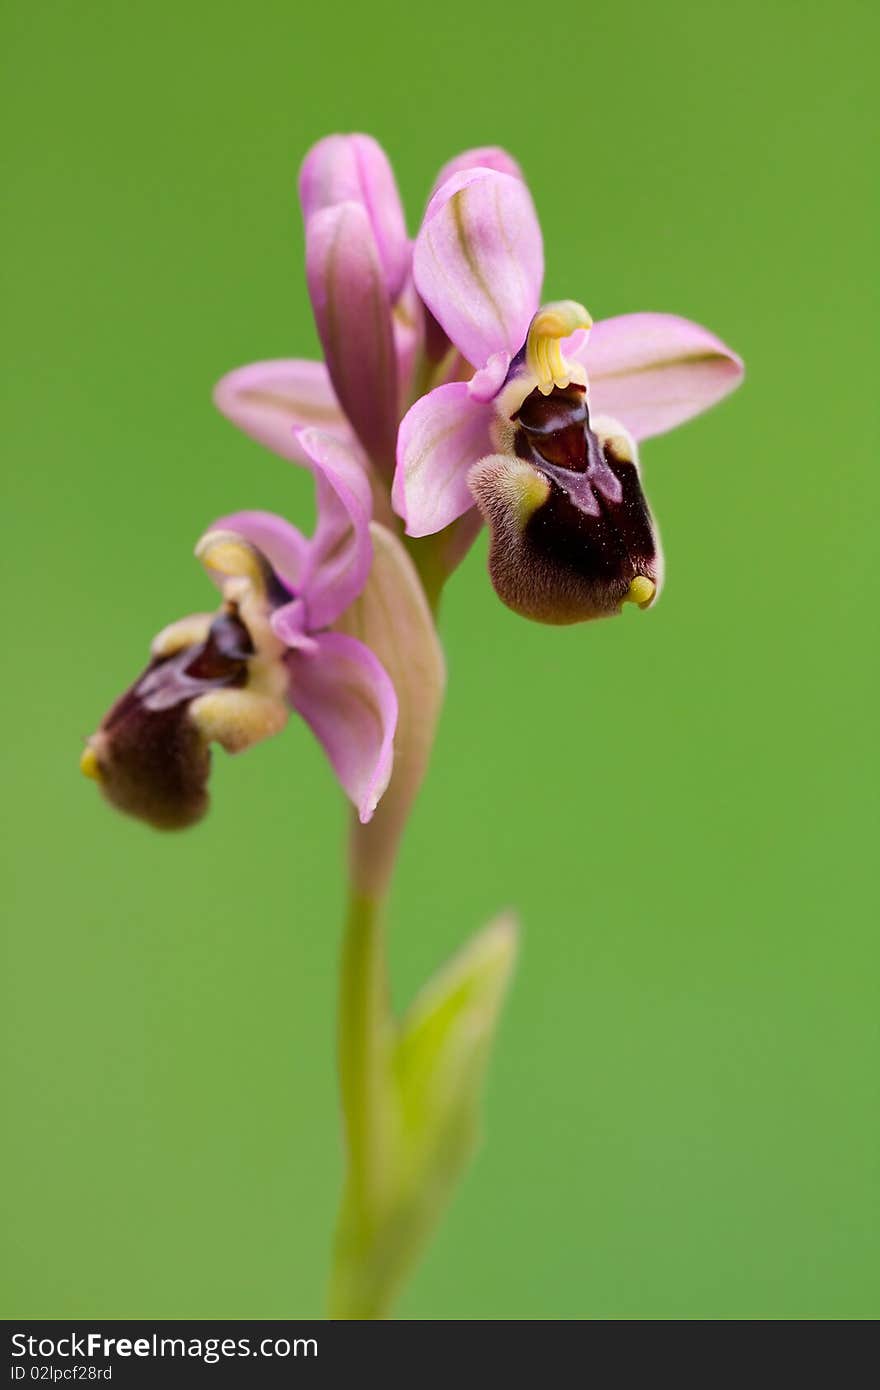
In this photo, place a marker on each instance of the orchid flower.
(543, 436)
(231, 677)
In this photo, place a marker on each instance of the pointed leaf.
(437, 1070)
(443, 1045)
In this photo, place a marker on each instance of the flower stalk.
(364, 1042)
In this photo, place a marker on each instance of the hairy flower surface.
(231, 677)
(542, 435)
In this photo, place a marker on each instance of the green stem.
(365, 1031)
(365, 1038)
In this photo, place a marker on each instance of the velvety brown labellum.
(572, 552)
(152, 761)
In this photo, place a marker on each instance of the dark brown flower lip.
(569, 545)
(148, 758)
(609, 542)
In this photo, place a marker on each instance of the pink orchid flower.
(370, 320)
(231, 677)
(542, 436)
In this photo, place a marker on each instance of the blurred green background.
(682, 1114)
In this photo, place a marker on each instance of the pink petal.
(479, 262)
(355, 169)
(340, 551)
(654, 371)
(290, 623)
(484, 157)
(440, 437)
(346, 697)
(286, 548)
(485, 384)
(271, 400)
(353, 314)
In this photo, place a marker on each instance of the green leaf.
(443, 1045)
(437, 1068)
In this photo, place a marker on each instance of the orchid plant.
(449, 396)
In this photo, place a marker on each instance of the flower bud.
(355, 169)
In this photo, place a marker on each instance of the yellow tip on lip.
(641, 590)
(88, 763)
